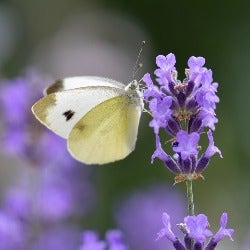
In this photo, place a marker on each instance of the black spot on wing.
(68, 114)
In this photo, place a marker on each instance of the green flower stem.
(190, 197)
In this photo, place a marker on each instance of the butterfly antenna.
(137, 64)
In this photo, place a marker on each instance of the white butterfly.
(98, 116)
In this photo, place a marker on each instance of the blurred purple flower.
(113, 241)
(91, 241)
(59, 237)
(62, 184)
(15, 100)
(139, 216)
(23, 136)
(48, 205)
(56, 195)
(61, 189)
(17, 202)
(54, 202)
(12, 232)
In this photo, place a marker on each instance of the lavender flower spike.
(183, 109)
(195, 228)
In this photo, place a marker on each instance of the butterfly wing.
(81, 82)
(107, 132)
(60, 111)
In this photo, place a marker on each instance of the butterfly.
(98, 116)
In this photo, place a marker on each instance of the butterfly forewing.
(60, 111)
(107, 132)
(80, 82)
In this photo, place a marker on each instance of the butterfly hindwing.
(60, 111)
(107, 133)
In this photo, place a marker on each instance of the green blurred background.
(72, 37)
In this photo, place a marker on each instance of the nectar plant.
(186, 111)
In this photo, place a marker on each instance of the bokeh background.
(60, 38)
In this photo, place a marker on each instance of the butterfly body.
(99, 117)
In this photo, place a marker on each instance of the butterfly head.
(133, 85)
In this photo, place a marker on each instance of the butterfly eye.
(132, 85)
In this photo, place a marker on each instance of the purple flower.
(15, 142)
(186, 163)
(166, 66)
(161, 111)
(115, 240)
(151, 89)
(139, 216)
(168, 160)
(61, 189)
(58, 237)
(223, 231)
(183, 110)
(49, 202)
(211, 150)
(207, 98)
(17, 202)
(197, 227)
(208, 118)
(48, 205)
(196, 63)
(22, 135)
(221, 234)
(12, 232)
(186, 144)
(54, 203)
(166, 231)
(91, 241)
(196, 69)
(14, 100)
